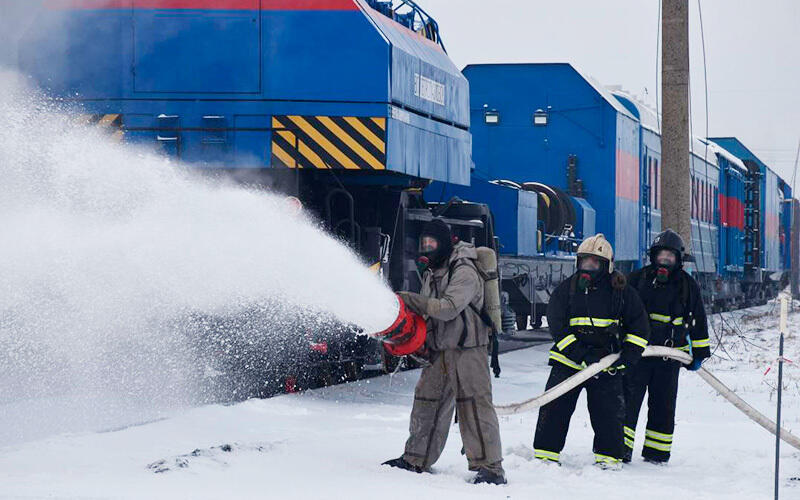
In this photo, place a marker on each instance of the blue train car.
(649, 167)
(705, 175)
(767, 223)
(730, 222)
(551, 129)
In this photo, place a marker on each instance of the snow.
(329, 443)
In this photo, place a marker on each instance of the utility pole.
(675, 140)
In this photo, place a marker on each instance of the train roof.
(645, 114)
(593, 83)
(720, 151)
(735, 146)
(650, 120)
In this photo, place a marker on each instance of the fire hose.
(406, 336)
(657, 352)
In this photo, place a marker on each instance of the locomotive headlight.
(491, 117)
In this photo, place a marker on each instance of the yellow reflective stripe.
(667, 438)
(546, 455)
(701, 343)
(659, 317)
(629, 432)
(629, 442)
(566, 341)
(557, 356)
(586, 321)
(678, 321)
(648, 443)
(605, 459)
(683, 348)
(636, 340)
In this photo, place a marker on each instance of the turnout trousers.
(456, 378)
(606, 411)
(659, 378)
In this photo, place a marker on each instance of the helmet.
(667, 240)
(598, 246)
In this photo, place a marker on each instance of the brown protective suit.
(459, 372)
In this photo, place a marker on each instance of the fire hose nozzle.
(407, 333)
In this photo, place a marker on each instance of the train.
(591, 155)
(355, 109)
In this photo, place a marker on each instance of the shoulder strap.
(464, 261)
(618, 302)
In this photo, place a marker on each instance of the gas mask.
(430, 253)
(435, 244)
(665, 264)
(423, 263)
(590, 268)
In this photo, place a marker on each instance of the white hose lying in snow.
(584, 375)
(755, 415)
(651, 351)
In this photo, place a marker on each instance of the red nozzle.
(406, 335)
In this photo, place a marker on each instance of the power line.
(658, 52)
(794, 171)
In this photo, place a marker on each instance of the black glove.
(628, 358)
(595, 354)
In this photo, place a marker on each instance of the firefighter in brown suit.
(458, 374)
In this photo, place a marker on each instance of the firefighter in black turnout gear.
(592, 314)
(677, 319)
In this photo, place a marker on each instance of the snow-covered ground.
(329, 443)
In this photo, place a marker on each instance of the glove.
(595, 354)
(694, 365)
(416, 302)
(627, 358)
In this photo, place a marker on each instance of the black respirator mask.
(435, 245)
(666, 261)
(589, 274)
(432, 252)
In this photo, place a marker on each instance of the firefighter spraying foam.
(456, 342)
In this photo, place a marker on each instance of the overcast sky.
(752, 51)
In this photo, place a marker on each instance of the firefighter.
(592, 314)
(457, 376)
(677, 319)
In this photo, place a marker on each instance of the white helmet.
(598, 246)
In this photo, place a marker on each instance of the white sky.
(752, 50)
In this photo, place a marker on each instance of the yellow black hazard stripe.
(342, 142)
(110, 122)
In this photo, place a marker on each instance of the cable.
(658, 53)
(794, 172)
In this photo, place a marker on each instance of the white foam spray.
(104, 245)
